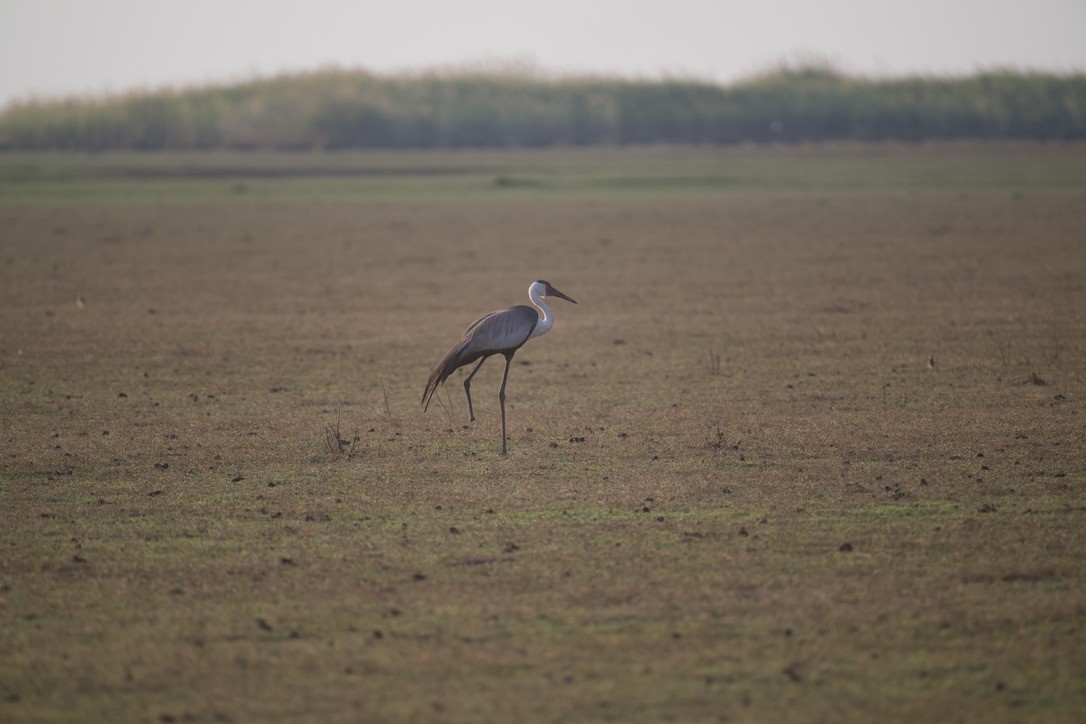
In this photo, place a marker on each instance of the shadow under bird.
(501, 332)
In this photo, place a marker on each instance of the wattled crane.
(501, 332)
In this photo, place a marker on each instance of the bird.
(502, 332)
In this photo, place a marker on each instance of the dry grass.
(735, 488)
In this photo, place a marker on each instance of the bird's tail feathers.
(441, 373)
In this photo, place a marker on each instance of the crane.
(501, 332)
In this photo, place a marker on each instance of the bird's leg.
(467, 388)
(501, 397)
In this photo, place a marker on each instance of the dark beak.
(552, 292)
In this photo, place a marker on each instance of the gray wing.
(500, 331)
(505, 329)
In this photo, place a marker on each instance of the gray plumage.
(505, 330)
(502, 332)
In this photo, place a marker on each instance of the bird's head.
(544, 289)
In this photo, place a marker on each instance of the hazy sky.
(58, 47)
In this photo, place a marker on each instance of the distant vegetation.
(356, 109)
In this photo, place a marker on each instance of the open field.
(735, 488)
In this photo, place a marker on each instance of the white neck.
(535, 294)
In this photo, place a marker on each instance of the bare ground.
(737, 487)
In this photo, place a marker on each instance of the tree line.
(336, 109)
